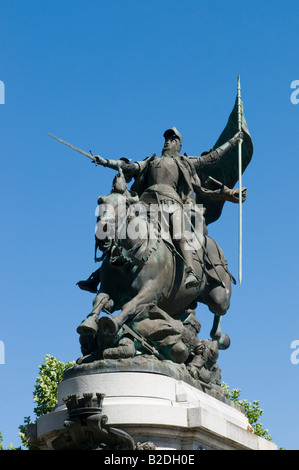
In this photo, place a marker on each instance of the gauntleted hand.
(232, 195)
(239, 136)
(99, 160)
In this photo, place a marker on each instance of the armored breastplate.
(163, 170)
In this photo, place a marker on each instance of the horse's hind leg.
(216, 334)
(217, 298)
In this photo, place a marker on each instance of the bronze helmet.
(173, 132)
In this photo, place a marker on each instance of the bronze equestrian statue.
(156, 281)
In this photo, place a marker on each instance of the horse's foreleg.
(90, 324)
(102, 300)
(146, 295)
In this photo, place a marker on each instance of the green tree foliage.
(45, 389)
(252, 411)
(45, 392)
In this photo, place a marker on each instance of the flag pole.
(240, 178)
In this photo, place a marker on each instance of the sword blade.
(72, 147)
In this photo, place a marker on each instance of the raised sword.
(89, 155)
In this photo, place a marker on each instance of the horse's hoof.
(108, 326)
(223, 342)
(89, 326)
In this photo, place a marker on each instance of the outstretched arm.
(211, 158)
(129, 169)
(223, 193)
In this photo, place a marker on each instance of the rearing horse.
(139, 269)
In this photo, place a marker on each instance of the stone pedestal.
(152, 406)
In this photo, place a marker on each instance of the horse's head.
(113, 213)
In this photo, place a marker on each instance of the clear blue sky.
(111, 76)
